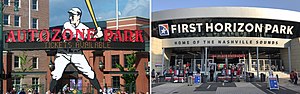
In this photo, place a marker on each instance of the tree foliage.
(24, 67)
(129, 78)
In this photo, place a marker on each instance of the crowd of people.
(22, 91)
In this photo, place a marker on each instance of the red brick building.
(29, 16)
(25, 14)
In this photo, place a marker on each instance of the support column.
(289, 59)
(249, 61)
(162, 60)
(226, 62)
(205, 61)
(194, 63)
(257, 63)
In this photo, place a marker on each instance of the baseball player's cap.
(75, 10)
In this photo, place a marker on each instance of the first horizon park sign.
(45, 39)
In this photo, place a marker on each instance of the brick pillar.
(7, 66)
(98, 56)
(142, 81)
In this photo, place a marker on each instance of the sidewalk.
(241, 88)
(182, 88)
(284, 82)
(167, 88)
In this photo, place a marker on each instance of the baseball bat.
(90, 8)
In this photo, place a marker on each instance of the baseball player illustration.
(74, 56)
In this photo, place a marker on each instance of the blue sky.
(104, 9)
(158, 5)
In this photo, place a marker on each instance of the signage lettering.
(232, 27)
(67, 35)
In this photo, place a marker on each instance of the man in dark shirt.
(212, 71)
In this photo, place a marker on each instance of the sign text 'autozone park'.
(33, 39)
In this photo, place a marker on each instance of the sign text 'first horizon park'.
(33, 39)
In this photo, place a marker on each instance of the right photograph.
(225, 47)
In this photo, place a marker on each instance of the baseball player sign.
(74, 56)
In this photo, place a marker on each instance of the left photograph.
(75, 47)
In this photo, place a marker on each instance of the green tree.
(129, 78)
(24, 67)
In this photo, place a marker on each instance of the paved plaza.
(224, 88)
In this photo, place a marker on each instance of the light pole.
(1, 45)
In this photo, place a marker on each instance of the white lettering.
(219, 29)
(193, 28)
(228, 27)
(209, 27)
(247, 27)
(275, 29)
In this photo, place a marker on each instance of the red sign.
(53, 35)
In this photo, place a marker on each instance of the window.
(125, 60)
(34, 23)
(17, 20)
(114, 60)
(17, 83)
(35, 4)
(6, 2)
(18, 3)
(116, 82)
(35, 62)
(6, 19)
(35, 84)
(17, 62)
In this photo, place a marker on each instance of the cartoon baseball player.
(74, 56)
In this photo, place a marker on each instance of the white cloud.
(136, 8)
(105, 15)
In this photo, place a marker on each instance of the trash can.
(262, 77)
(247, 77)
(204, 78)
(251, 77)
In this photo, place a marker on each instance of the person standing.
(153, 74)
(232, 73)
(292, 76)
(282, 68)
(13, 91)
(295, 77)
(22, 91)
(238, 73)
(212, 71)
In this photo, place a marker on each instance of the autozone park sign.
(33, 39)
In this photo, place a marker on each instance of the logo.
(163, 29)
